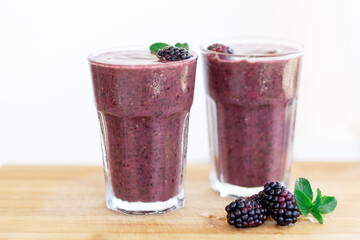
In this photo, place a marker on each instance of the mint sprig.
(304, 196)
(182, 45)
(154, 48)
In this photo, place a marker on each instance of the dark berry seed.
(277, 192)
(238, 221)
(237, 213)
(290, 207)
(282, 205)
(230, 221)
(288, 220)
(288, 196)
(227, 209)
(288, 214)
(238, 225)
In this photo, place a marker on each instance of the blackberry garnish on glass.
(173, 54)
(165, 52)
(220, 48)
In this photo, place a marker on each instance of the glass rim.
(298, 48)
(92, 55)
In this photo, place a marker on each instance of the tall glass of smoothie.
(143, 106)
(251, 88)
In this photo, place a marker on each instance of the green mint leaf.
(327, 205)
(317, 199)
(316, 213)
(321, 205)
(303, 185)
(303, 202)
(154, 48)
(182, 45)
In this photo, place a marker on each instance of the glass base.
(144, 208)
(230, 190)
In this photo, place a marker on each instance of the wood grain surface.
(68, 202)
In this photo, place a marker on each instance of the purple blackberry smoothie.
(143, 107)
(251, 98)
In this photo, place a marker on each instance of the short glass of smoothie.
(252, 89)
(143, 107)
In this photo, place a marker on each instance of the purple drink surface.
(252, 104)
(143, 107)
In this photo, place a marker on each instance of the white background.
(47, 107)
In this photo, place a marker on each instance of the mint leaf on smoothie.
(154, 48)
(321, 204)
(182, 45)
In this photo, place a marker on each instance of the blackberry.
(280, 203)
(244, 213)
(220, 48)
(171, 53)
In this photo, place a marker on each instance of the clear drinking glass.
(251, 105)
(143, 108)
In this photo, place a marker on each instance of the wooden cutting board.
(68, 202)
